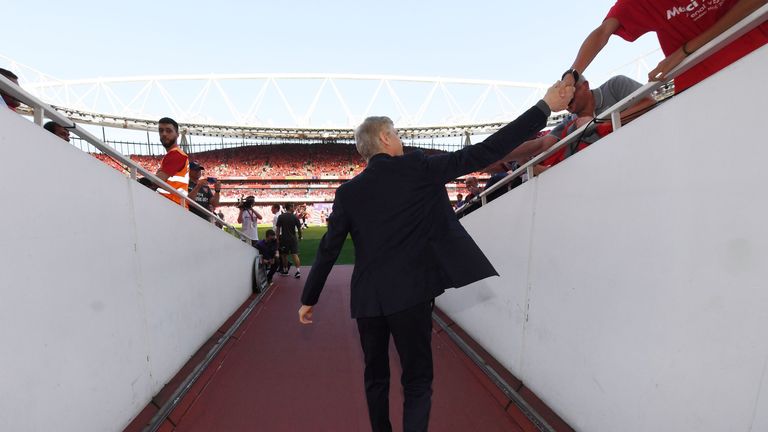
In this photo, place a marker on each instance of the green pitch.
(311, 239)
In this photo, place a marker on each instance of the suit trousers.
(411, 330)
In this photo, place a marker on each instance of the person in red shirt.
(682, 27)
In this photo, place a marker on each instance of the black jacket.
(409, 245)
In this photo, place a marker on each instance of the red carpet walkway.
(279, 375)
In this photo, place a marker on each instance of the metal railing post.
(616, 120)
(37, 114)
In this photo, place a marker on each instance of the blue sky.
(512, 40)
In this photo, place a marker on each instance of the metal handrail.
(41, 110)
(750, 22)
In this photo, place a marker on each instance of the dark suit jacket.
(409, 245)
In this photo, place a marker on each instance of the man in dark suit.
(409, 247)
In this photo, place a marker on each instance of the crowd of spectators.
(283, 160)
(118, 166)
(319, 194)
(150, 163)
(270, 162)
(267, 184)
(326, 162)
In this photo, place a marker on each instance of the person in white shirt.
(275, 214)
(249, 218)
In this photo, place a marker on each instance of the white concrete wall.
(634, 287)
(106, 289)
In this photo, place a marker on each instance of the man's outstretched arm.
(592, 45)
(531, 148)
(446, 167)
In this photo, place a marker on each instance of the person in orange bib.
(174, 169)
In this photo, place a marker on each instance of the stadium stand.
(274, 173)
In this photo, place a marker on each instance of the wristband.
(573, 72)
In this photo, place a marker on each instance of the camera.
(246, 203)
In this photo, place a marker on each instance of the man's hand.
(558, 96)
(216, 186)
(569, 80)
(665, 66)
(305, 314)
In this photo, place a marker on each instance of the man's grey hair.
(367, 135)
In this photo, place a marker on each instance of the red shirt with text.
(677, 22)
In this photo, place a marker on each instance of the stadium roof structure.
(288, 106)
(252, 132)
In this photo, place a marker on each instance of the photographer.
(200, 191)
(249, 217)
